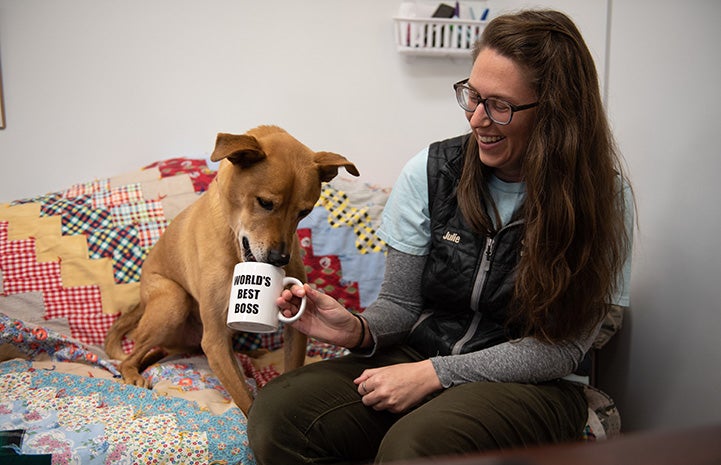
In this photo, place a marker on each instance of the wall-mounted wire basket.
(436, 36)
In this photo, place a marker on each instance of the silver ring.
(365, 389)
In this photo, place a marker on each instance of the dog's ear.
(329, 162)
(242, 150)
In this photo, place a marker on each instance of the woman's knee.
(305, 414)
(425, 434)
(270, 432)
(480, 417)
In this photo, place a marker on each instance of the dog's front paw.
(133, 378)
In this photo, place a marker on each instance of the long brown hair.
(575, 241)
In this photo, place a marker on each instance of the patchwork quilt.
(70, 263)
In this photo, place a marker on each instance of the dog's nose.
(278, 258)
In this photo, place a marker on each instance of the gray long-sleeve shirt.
(526, 360)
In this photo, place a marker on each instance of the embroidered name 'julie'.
(452, 237)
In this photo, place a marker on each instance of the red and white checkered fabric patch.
(17, 251)
(83, 308)
(21, 270)
(71, 301)
(261, 375)
(35, 277)
(3, 236)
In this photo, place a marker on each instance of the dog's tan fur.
(266, 182)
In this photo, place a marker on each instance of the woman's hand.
(397, 388)
(324, 318)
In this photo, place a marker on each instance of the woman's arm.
(527, 360)
(388, 319)
(398, 305)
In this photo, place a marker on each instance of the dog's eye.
(304, 213)
(265, 204)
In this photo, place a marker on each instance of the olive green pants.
(315, 415)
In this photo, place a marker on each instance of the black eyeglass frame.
(482, 101)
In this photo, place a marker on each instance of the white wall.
(665, 103)
(97, 87)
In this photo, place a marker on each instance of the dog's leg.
(166, 323)
(218, 347)
(130, 367)
(294, 348)
(140, 359)
(294, 342)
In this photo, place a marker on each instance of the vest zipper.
(476, 297)
(485, 265)
(470, 332)
(483, 270)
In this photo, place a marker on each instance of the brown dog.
(267, 181)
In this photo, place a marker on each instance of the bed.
(70, 263)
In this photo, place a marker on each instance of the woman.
(506, 246)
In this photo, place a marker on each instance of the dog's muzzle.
(278, 258)
(275, 257)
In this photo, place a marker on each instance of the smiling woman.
(504, 247)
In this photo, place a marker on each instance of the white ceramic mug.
(253, 293)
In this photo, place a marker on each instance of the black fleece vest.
(468, 279)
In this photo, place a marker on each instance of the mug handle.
(286, 281)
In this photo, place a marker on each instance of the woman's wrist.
(361, 338)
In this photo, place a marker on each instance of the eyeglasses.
(499, 111)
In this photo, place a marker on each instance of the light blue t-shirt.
(405, 223)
